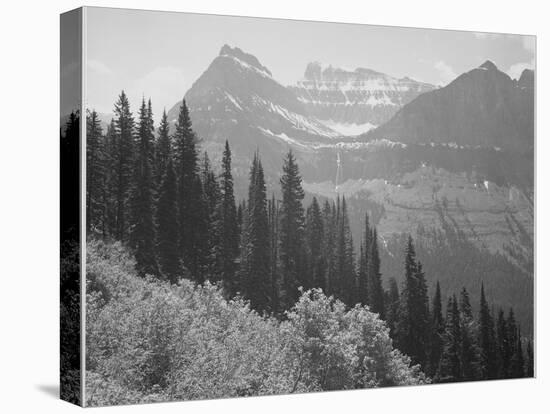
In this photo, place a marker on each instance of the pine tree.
(450, 367)
(228, 227)
(329, 240)
(363, 274)
(488, 357)
(530, 361)
(470, 364)
(392, 306)
(123, 164)
(344, 280)
(167, 230)
(412, 329)
(254, 273)
(191, 203)
(517, 367)
(437, 332)
(314, 238)
(95, 172)
(291, 233)
(163, 150)
(503, 346)
(110, 179)
(212, 199)
(375, 290)
(273, 223)
(142, 229)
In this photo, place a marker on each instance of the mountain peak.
(527, 79)
(318, 70)
(236, 53)
(489, 65)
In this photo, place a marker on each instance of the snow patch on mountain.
(300, 122)
(245, 66)
(348, 129)
(356, 96)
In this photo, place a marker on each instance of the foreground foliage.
(151, 341)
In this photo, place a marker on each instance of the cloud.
(98, 67)
(446, 72)
(517, 68)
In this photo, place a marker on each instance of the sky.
(159, 55)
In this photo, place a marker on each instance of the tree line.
(158, 194)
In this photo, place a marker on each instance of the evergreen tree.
(469, 350)
(392, 306)
(450, 367)
(167, 230)
(363, 274)
(212, 198)
(488, 357)
(273, 222)
(291, 233)
(329, 240)
(110, 179)
(530, 361)
(142, 230)
(515, 368)
(344, 280)
(517, 364)
(163, 151)
(314, 238)
(437, 333)
(412, 329)
(95, 172)
(375, 290)
(240, 212)
(254, 273)
(191, 203)
(123, 164)
(503, 346)
(228, 227)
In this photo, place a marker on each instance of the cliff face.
(353, 102)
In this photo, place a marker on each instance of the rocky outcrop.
(353, 101)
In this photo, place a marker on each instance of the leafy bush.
(150, 341)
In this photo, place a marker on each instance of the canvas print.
(274, 206)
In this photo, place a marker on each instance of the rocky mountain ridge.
(354, 101)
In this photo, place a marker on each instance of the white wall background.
(29, 64)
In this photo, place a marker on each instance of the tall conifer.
(191, 208)
(314, 238)
(123, 164)
(142, 229)
(95, 172)
(450, 368)
(163, 151)
(255, 275)
(291, 233)
(437, 332)
(228, 226)
(375, 290)
(167, 230)
(488, 351)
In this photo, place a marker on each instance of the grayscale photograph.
(283, 206)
